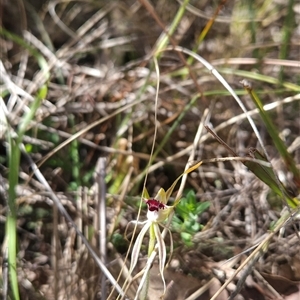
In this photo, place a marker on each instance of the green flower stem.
(151, 240)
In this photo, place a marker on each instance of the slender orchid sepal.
(137, 246)
(145, 194)
(170, 190)
(161, 196)
(162, 253)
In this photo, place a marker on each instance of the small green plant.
(185, 221)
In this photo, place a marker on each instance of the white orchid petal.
(162, 253)
(137, 246)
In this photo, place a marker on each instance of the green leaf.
(272, 130)
(187, 238)
(203, 206)
(267, 175)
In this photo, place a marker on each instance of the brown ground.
(100, 59)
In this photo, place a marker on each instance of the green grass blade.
(163, 42)
(11, 221)
(266, 174)
(14, 154)
(260, 77)
(287, 31)
(288, 159)
(204, 32)
(31, 113)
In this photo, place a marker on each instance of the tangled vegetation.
(105, 104)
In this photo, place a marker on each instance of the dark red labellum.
(154, 205)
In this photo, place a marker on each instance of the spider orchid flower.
(158, 211)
